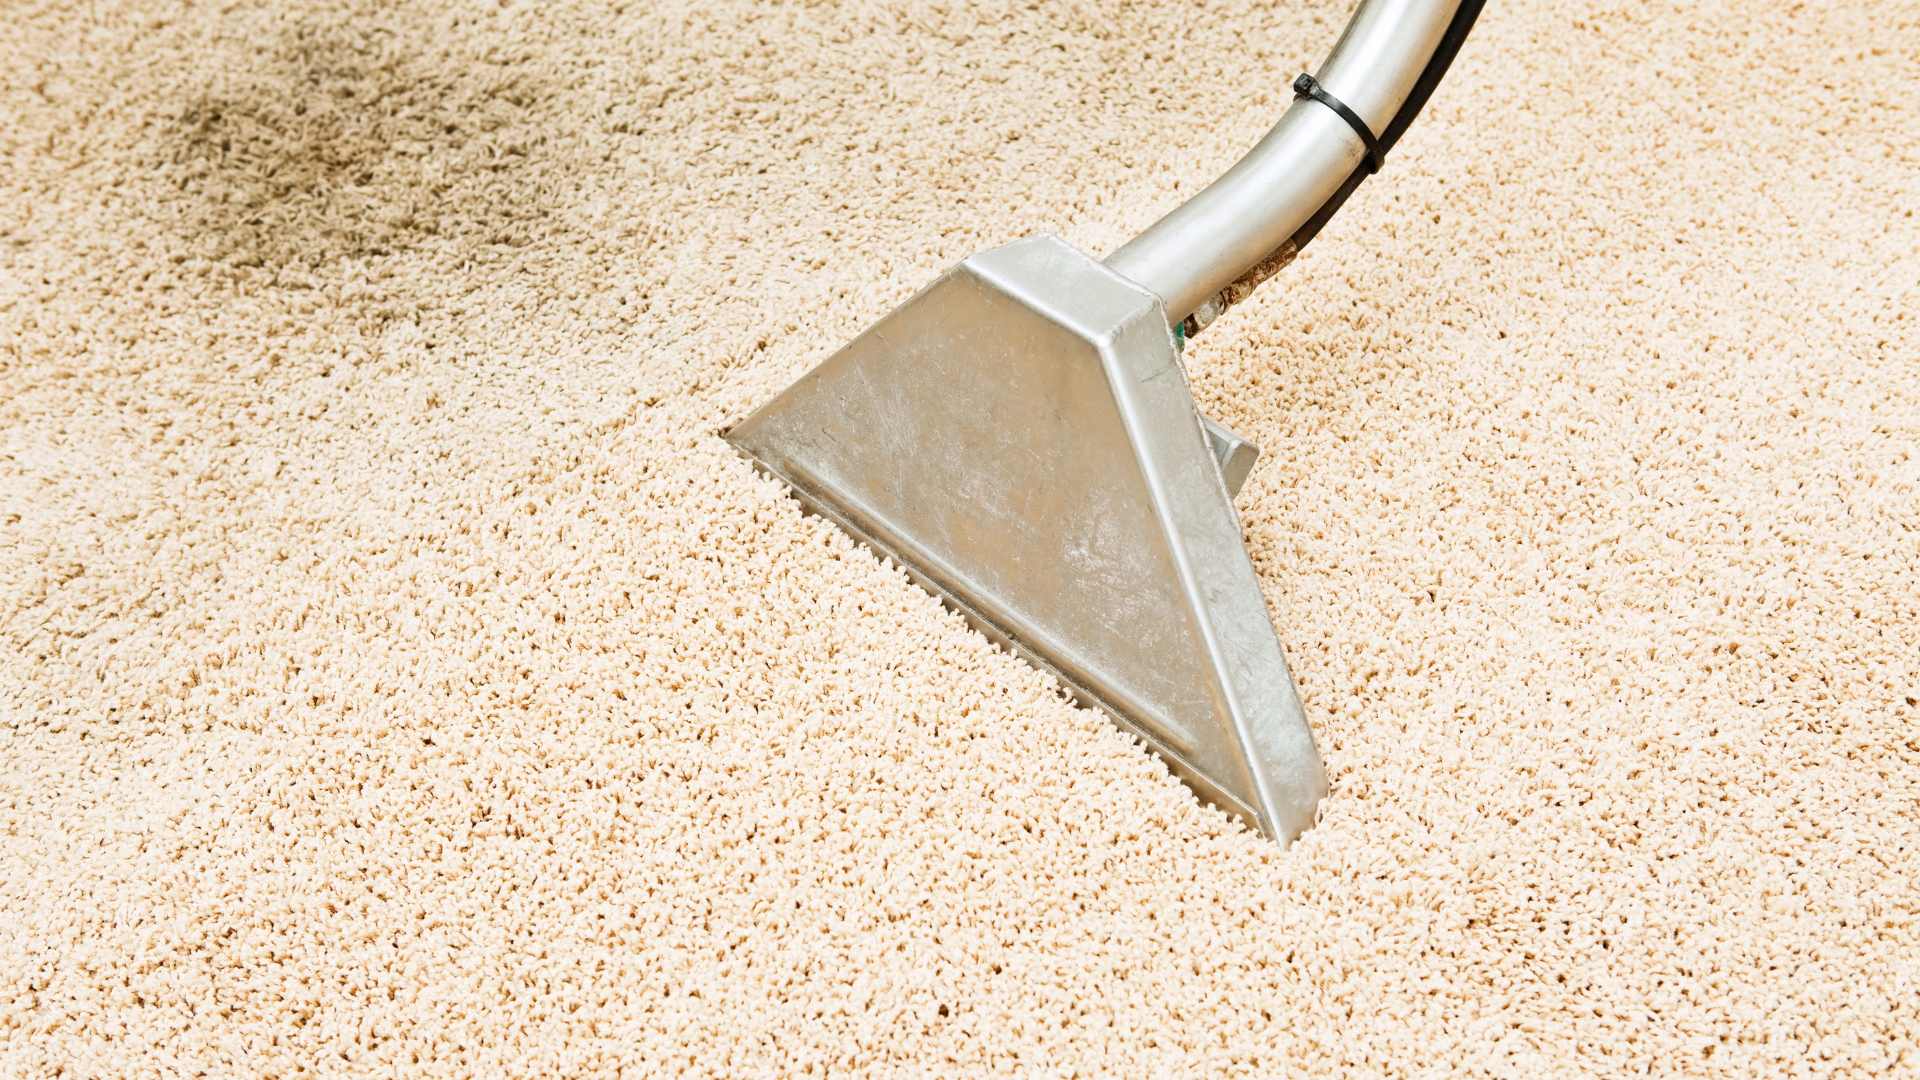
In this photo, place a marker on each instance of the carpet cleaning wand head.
(1021, 438)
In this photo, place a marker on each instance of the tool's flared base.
(1020, 437)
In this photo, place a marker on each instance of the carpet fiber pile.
(399, 676)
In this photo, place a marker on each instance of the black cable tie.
(1306, 86)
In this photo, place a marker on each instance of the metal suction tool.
(1021, 438)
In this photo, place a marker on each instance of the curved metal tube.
(1252, 211)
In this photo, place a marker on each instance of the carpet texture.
(401, 677)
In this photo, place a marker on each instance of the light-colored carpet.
(401, 677)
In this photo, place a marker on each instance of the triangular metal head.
(1020, 437)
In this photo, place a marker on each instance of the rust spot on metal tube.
(1241, 287)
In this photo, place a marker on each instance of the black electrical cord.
(1423, 87)
(1435, 70)
(1443, 53)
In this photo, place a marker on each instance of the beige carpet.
(400, 676)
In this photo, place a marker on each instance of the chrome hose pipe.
(1214, 248)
